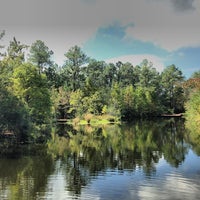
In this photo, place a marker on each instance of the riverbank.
(104, 119)
(91, 119)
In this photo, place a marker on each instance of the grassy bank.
(94, 120)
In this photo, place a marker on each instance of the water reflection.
(94, 150)
(194, 139)
(140, 143)
(112, 161)
(23, 176)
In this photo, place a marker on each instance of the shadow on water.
(85, 152)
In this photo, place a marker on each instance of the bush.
(88, 117)
(193, 112)
(76, 120)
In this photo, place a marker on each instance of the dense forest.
(35, 92)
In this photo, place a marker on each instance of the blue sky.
(109, 43)
(163, 31)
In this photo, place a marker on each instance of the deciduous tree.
(32, 89)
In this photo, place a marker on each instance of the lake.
(141, 160)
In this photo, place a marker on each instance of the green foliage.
(80, 104)
(95, 77)
(128, 103)
(109, 74)
(76, 103)
(95, 103)
(172, 89)
(87, 86)
(40, 55)
(148, 76)
(54, 77)
(75, 59)
(193, 113)
(115, 102)
(125, 73)
(138, 102)
(16, 50)
(13, 115)
(31, 88)
(144, 101)
(61, 103)
(196, 74)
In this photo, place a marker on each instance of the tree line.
(35, 91)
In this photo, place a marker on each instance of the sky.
(163, 31)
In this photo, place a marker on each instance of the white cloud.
(167, 24)
(154, 21)
(64, 23)
(164, 27)
(137, 59)
(175, 186)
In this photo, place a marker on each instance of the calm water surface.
(141, 160)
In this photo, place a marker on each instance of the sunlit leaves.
(138, 102)
(193, 112)
(31, 88)
(76, 102)
(192, 86)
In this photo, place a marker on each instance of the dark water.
(142, 160)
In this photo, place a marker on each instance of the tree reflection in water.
(92, 150)
(25, 173)
(86, 152)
